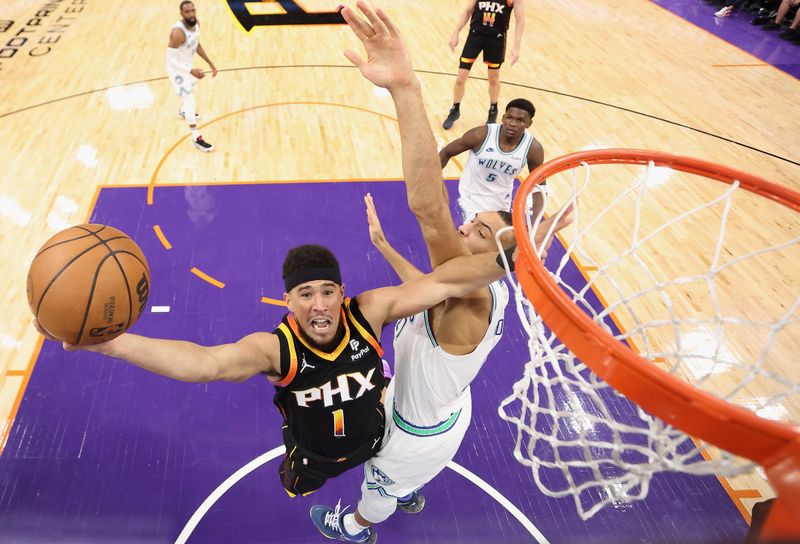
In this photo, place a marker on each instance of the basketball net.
(643, 296)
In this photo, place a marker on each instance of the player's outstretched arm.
(388, 65)
(400, 264)
(190, 362)
(455, 278)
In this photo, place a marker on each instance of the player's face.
(316, 306)
(514, 123)
(479, 233)
(189, 14)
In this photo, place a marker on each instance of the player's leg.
(183, 84)
(189, 109)
(472, 48)
(493, 55)
(494, 94)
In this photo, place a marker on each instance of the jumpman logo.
(305, 364)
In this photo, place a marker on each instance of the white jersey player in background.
(497, 153)
(440, 351)
(184, 41)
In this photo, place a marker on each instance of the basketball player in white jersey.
(439, 351)
(497, 153)
(184, 41)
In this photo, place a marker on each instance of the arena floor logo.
(293, 15)
(36, 34)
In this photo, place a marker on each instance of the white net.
(699, 277)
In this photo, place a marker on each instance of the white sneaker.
(724, 12)
(183, 115)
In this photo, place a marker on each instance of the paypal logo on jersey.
(358, 353)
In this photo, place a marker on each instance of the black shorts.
(493, 47)
(303, 472)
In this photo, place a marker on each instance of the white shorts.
(182, 82)
(409, 458)
(470, 207)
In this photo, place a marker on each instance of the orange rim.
(737, 430)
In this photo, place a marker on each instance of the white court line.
(225, 486)
(159, 309)
(280, 450)
(499, 497)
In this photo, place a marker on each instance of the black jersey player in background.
(488, 27)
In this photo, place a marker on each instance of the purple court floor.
(104, 452)
(736, 29)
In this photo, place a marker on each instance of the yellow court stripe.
(202, 275)
(274, 301)
(161, 237)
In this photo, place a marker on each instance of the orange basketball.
(88, 284)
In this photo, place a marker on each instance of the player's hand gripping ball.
(88, 284)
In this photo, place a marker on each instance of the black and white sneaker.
(203, 145)
(452, 117)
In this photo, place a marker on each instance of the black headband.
(310, 274)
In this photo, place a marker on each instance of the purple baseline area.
(737, 30)
(101, 451)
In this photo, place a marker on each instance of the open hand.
(453, 42)
(388, 64)
(375, 228)
(548, 227)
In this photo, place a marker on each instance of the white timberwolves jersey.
(488, 179)
(431, 383)
(187, 48)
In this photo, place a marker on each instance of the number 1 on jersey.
(338, 422)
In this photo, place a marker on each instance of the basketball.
(88, 284)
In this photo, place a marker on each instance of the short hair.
(522, 104)
(307, 257)
(506, 217)
(184, 3)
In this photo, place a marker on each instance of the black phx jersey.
(491, 17)
(331, 401)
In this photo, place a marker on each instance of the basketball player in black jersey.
(488, 27)
(323, 358)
